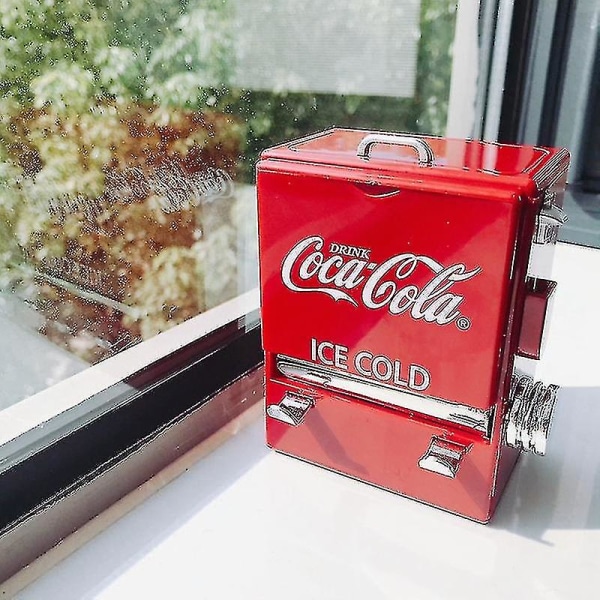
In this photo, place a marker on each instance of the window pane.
(591, 161)
(562, 106)
(129, 132)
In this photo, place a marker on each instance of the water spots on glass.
(127, 154)
(111, 234)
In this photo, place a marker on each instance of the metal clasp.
(549, 221)
(292, 409)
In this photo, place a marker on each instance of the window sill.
(295, 530)
(155, 417)
(69, 400)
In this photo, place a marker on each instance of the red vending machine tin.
(405, 293)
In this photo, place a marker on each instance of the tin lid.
(443, 158)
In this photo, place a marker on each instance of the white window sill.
(245, 522)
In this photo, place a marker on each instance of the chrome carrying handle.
(421, 147)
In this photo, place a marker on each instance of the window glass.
(562, 105)
(129, 131)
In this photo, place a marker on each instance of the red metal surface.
(408, 275)
(535, 315)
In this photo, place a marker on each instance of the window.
(590, 172)
(556, 60)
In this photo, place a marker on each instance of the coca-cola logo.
(346, 273)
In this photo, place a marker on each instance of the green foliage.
(272, 118)
(70, 54)
(39, 36)
(90, 87)
(434, 66)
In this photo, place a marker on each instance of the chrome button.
(530, 415)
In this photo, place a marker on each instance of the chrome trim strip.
(307, 138)
(381, 393)
(553, 170)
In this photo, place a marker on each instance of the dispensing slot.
(381, 393)
(443, 457)
(291, 410)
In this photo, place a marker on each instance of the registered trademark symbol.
(463, 323)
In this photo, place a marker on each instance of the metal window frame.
(547, 97)
(163, 411)
(578, 74)
(590, 168)
(38, 421)
(518, 59)
(549, 72)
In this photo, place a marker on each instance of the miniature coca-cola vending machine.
(405, 295)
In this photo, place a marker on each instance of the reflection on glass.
(128, 136)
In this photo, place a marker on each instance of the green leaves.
(66, 88)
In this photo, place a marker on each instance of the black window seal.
(517, 66)
(557, 65)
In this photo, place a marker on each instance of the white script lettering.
(307, 269)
